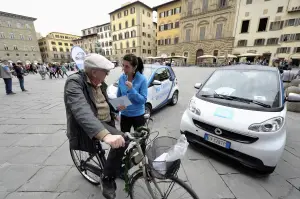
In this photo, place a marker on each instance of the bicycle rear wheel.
(175, 188)
(95, 161)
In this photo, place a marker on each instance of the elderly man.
(90, 116)
(5, 73)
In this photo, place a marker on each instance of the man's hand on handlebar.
(115, 141)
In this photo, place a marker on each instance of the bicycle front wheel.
(171, 188)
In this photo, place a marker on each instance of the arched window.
(120, 36)
(106, 44)
(126, 24)
(102, 44)
(133, 22)
(133, 43)
(133, 33)
(107, 52)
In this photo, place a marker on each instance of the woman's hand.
(121, 108)
(128, 84)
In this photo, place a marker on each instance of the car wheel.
(174, 99)
(267, 170)
(148, 109)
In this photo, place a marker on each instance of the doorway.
(198, 54)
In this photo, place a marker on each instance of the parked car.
(162, 87)
(240, 112)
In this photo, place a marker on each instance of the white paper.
(225, 91)
(159, 164)
(120, 101)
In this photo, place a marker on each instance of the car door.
(163, 90)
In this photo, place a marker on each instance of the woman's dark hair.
(135, 62)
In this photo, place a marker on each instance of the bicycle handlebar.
(140, 133)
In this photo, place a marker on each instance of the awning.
(206, 56)
(228, 56)
(296, 56)
(249, 55)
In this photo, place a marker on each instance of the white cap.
(97, 61)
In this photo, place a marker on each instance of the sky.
(67, 16)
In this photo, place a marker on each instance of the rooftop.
(63, 34)
(164, 4)
(86, 36)
(6, 14)
(97, 26)
(131, 4)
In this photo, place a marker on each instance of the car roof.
(154, 66)
(249, 67)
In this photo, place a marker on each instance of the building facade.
(133, 31)
(56, 47)
(103, 45)
(18, 40)
(88, 43)
(268, 28)
(206, 27)
(168, 28)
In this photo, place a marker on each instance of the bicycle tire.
(101, 160)
(178, 181)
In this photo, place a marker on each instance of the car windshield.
(259, 87)
(148, 72)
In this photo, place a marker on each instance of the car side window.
(162, 74)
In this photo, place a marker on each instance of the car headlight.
(270, 125)
(193, 108)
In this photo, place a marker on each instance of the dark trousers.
(128, 122)
(8, 85)
(21, 81)
(114, 159)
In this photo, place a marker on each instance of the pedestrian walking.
(52, 71)
(5, 74)
(64, 71)
(20, 75)
(42, 70)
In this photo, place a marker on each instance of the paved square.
(35, 162)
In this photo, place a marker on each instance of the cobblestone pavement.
(35, 161)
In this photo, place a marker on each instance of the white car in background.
(162, 87)
(240, 112)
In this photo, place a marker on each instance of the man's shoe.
(109, 188)
(12, 93)
(24, 90)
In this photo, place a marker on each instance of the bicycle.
(144, 158)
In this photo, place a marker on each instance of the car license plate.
(217, 141)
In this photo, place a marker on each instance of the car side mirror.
(156, 82)
(198, 85)
(293, 97)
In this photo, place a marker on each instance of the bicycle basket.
(158, 147)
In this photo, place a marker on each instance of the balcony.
(294, 9)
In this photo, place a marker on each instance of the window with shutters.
(133, 22)
(177, 24)
(248, 2)
(245, 26)
(259, 42)
(297, 37)
(204, 5)
(219, 31)
(272, 41)
(119, 15)
(176, 40)
(120, 36)
(121, 45)
(126, 24)
(133, 33)
(188, 35)
(242, 43)
(133, 43)
(120, 26)
(202, 33)
(284, 50)
(190, 7)
(280, 9)
(126, 35)
(297, 50)
(276, 25)
(132, 10)
(126, 13)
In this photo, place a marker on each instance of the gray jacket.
(5, 72)
(82, 121)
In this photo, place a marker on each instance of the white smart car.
(240, 112)
(162, 87)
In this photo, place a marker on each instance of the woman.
(134, 85)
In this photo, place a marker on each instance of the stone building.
(88, 43)
(103, 45)
(56, 47)
(168, 31)
(133, 31)
(268, 28)
(18, 40)
(206, 27)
